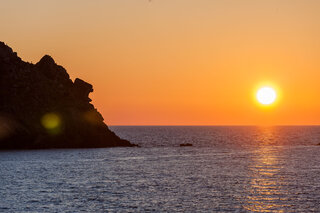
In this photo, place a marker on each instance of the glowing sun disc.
(266, 95)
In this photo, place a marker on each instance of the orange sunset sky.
(179, 62)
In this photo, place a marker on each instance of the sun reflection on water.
(265, 190)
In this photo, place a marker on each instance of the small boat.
(186, 144)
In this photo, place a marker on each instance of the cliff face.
(40, 107)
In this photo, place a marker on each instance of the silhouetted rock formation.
(186, 144)
(40, 107)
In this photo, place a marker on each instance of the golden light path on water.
(265, 191)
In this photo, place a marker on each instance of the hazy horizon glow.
(179, 62)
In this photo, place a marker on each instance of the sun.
(266, 95)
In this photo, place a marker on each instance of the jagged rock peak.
(4, 47)
(81, 84)
(83, 89)
(49, 68)
(6, 51)
(47, 59)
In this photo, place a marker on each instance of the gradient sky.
(179, 62)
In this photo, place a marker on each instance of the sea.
(228, 169)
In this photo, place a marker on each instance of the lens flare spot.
(51, 122)
(6, 127)
(93, 117)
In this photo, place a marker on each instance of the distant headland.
(42, 108)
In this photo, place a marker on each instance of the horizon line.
(279, 125)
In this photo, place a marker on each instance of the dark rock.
(186, 144)
(40, 107)
(82, 89)
(51, 70)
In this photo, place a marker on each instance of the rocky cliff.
(41, 107)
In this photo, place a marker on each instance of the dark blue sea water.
(228, 169)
